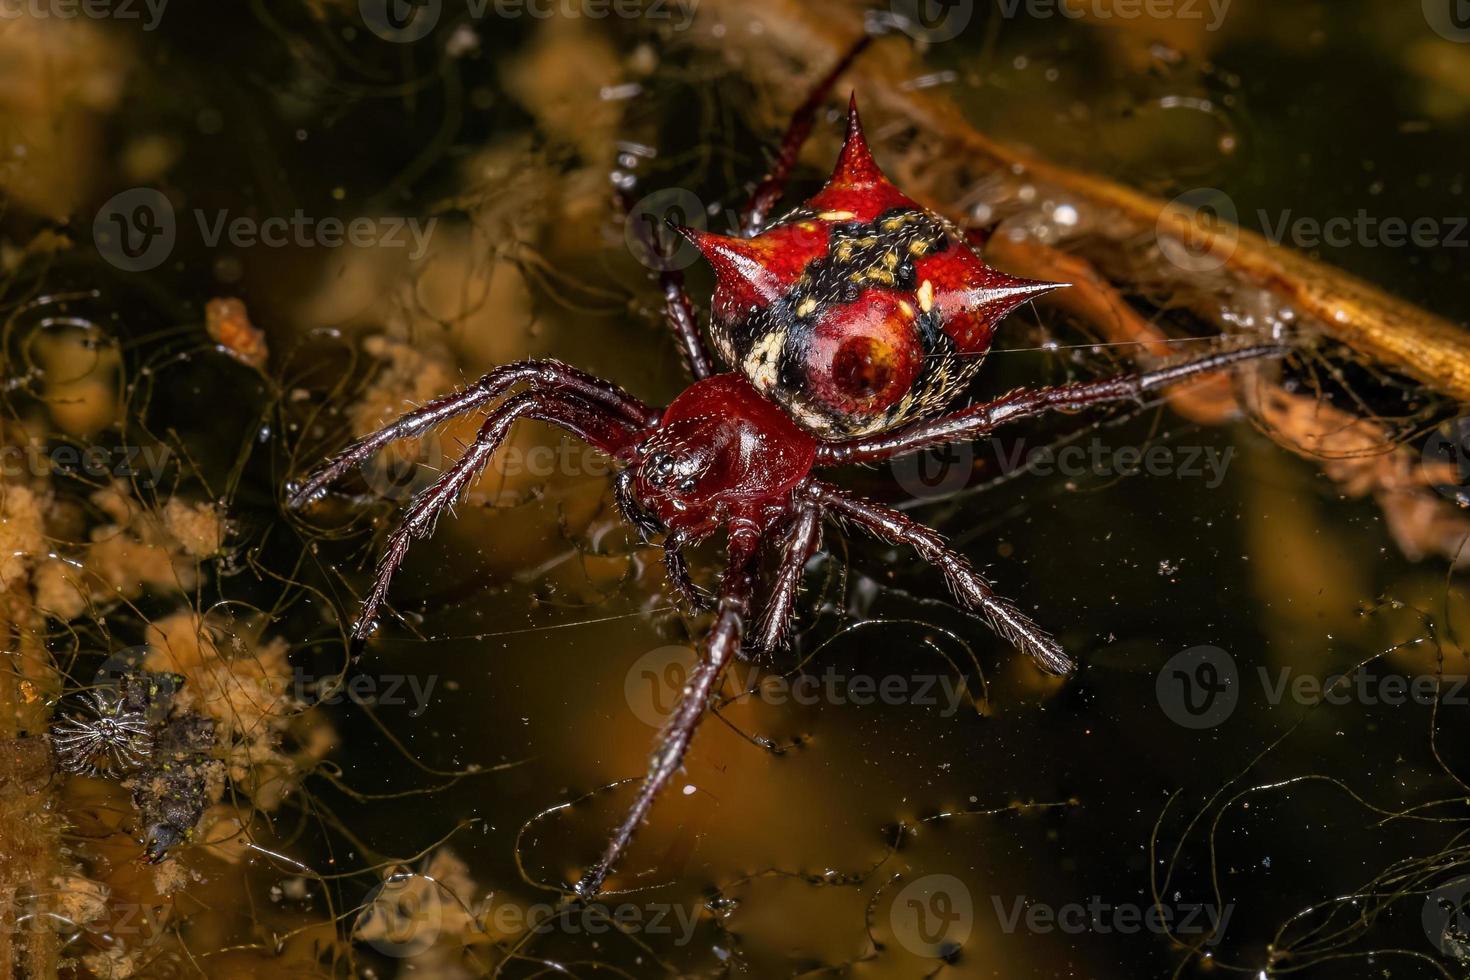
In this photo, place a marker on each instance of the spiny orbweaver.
(851, 324)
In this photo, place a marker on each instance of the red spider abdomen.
(863, 359)
(860, 311)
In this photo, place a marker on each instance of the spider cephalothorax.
(720, 452)
(848, 327)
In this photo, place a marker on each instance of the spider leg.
(679, 314)
(594, 424)
(1091, 297)
(977, 420)
(720, 648)
(968, 586)
(678, 569)
(801, 543)
(769, 190)
(678, 308)
(544, 376)
(678, 311)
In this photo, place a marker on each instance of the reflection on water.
(1259, 768)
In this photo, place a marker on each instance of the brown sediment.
(59, 80)
(138, 550)
(28, 843)
(1385, 328)
(30, 830)
(81, 374)
(238, 679)
(243, 682)
(228, 322)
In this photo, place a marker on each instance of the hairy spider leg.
(594, 424)
(543, 375)
(802, 541)
(978, 420)
(678, 307)
(677, 568)
(968, 586)
(679, 315)
(721, 644)
(758, 209)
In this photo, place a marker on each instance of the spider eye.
(686, 486)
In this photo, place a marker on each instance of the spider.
(849, 326)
